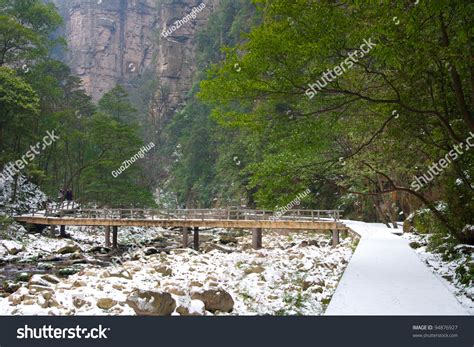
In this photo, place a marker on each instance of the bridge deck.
(209, 218)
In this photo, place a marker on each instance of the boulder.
(10, 286)
(78, 302)
(164, 270)
(151, 303)
(67, 271)
(51, 279)
(70, 248)
(12, 247)
(78, 284)
(117, 273)
(215, 300)
(209, 247)
(35, 289)
(408, 225)
(176, 291)
(46, 300)
(38, 280)
(254, 270)
(307, 284)
(106, 303)
(100, 250)
(150, 251)
(226, 239)
(196, 308)
(307, 243)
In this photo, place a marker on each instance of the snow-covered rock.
(12, 247)
(147, 302)
(282, 278)
(215, 300)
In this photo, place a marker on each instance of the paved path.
(386, 277)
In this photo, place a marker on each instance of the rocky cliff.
(116, 41)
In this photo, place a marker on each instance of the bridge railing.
(193, 214)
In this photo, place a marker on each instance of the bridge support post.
(107, 236)
(62, 231)
(257, 238)
(196, 238)
(185, 237)
(114, 236)
(335, 237)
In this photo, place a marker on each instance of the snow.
(28, 195)
(385, 277)
(294, 274)
(445, 270)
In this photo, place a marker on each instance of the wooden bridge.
(185, 219)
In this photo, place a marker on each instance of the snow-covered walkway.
(385, 277)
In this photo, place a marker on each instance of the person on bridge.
(68, 197)
(61, 195)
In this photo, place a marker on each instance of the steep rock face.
(116, 41)
(176, 52)
(109, 41)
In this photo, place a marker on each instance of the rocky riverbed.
(295, 274)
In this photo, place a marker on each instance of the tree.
(369, 130)
(26, 27)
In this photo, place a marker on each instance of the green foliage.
(5, 222)
(208, 161)
(19, 106)
(370, 130)
(116, 103)
(26, 27)
(465, 273)
(43, 96)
